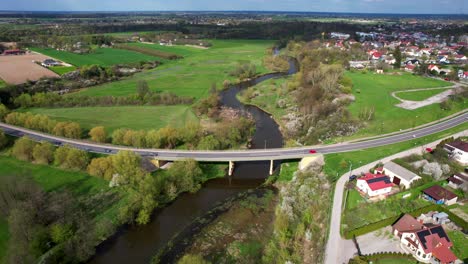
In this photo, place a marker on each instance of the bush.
(43, 153)
(71, 158)
(98, 134)
(3, 140)
(23, 149)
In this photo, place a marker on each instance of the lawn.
(61, 70)
(419, 95)
(133, 117)
(460, 244)
(353, 199)
(409, 260)
(374, 90)
(100, 56)
(193, 75)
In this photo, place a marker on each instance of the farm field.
(374, 91)
(101, 56)
(19, 69)
(133, 117)
(194, 75)
(419, 95)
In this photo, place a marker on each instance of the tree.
(186, 174)
(209, 143)
(142, 88)
(101, 167)
(23, 149)
(397, 56)
(60, 233)
(118, 135)
(98, 134)
(43, 153)
(24, 100)
(192, 259)
(127, 165)
(3, 111)
(77, 159)
(73, 130)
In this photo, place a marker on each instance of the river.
(138, 244)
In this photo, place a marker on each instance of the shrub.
(23, 149)
(43, 153)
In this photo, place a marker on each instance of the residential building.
(398, 174)
(427, 243)
(410, 67)
(14, 52)
(374, 184)
(457, 180)
(433, 67)
(458, 151)
(440, 195)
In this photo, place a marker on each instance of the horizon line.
(264, 11)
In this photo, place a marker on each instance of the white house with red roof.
(410, 67)
(433, 67)
(376, 56)
(427, 243)
(460, 57)
(374, 184)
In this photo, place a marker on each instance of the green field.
(460, 244)
(100, 56)
(2, 83)
(133, 117)
(61, 70)
(374, 90)
(419, 95)
(353, 199)
(194, 75)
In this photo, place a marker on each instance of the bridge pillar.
(231, 168)
(156, 163)
(271, 167)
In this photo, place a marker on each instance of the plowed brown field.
(16, 69)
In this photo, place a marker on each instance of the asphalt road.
(239, 155)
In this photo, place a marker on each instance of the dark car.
(352, 177)
(107, 150)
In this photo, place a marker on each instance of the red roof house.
(374, 184)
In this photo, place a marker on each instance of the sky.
(354, 6)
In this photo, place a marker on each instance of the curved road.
(239, 155)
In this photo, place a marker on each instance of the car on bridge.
(312, 151)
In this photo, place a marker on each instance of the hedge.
(391, 220)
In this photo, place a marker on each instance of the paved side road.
(338, 249)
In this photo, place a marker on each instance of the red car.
(429, 150)
(312, 151)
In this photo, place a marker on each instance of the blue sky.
(367, 6)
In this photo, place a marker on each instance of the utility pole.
(350, 167)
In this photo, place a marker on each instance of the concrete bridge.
(233, 156)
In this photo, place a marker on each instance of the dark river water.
(138, 244)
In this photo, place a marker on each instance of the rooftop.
(438, 193)
(400, 171)
(461, 145)
(377, 181)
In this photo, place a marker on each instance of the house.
(460, 57)
(433, 67)
(462, 74)
(374, 184)
(14, 52)
(457, 180)
(427, 243)
(376, 56)
(50, 63)
(410, 67)
(440, 195)
(412, 62)
(358, 64)
(458, 151)
(390, 60)
(398, 174)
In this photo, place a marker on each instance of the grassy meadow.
(194, 74)
(419, 95)
(374, 91)
(100, 56)
(133, 117)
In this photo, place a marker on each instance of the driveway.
(338, 249)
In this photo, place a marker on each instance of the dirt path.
(338, 249)
(438, 98)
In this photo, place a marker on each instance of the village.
(435, 178)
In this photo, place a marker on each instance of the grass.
(353, 199)
(61, 70)
(365, 156)
(194, 75)
(409, 260)
(100, 56)
(287, 171)
(133, 117)
(374, 90)
(4, 237)
(2, 84)
(419, 95)
(460, 244)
